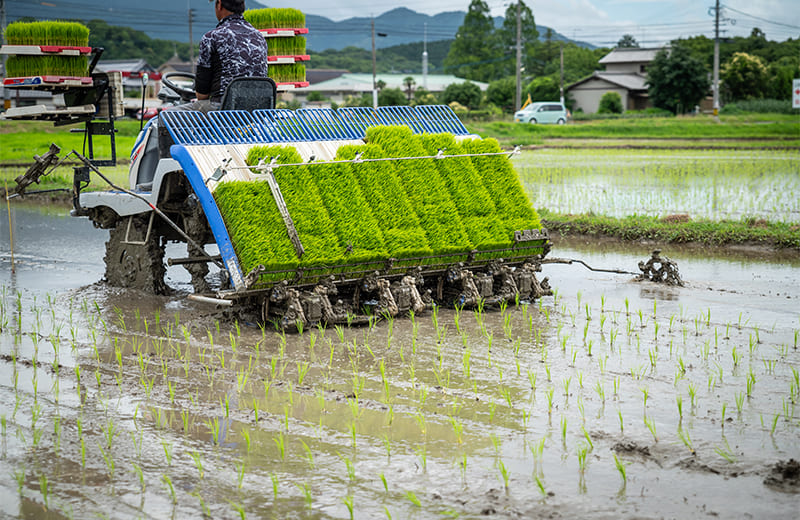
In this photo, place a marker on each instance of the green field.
(775, 129)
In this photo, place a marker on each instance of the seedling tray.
(283, 33)
(48, 82)
(44, 50)
(287, 60)
(42, 112)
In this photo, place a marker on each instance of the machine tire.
(135, 266)
(561, 122)
(533, 121)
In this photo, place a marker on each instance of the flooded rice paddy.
(712, 184)
(613, 399)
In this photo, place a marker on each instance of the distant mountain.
(168, 21)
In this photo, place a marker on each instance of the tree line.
(752, 67)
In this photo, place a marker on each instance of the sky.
(601, 22)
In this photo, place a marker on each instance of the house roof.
(627, 81)
(363, 82)
(177, 65)
(319, 75)
(629, 55)
(124, 66)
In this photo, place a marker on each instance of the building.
(625, 74)
(339, 88)
(132, 71)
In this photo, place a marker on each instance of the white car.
(543, 112)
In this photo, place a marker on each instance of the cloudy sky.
(602, 22)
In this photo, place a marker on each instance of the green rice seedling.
(413, 498)
(109, 460)
(309, 455)
(27, 66)
(348, 502)
(587, 437)
(540, 485)
(621, 469)
(600, 389)
(739, 402)
(275, 18)
(19, 476)
(651, 425)
(168, 482)
(167, 451)
(582, 451)
(725, 452)
(692, 389)
(774, 423)
(140, 475)
(240, 470)
(679, 402)
(238, 508)
(686, 439)
(621, 423)
(737, 357)
(43, 488)
(564, 430)
(198, 462)
(503, 473)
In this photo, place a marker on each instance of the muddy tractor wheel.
(135, 257)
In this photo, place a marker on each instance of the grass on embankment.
(676, 230)
(776, 127)
(22, 140)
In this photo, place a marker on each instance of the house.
(626, 74)
(132, 71)
(339, 88)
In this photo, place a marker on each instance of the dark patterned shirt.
(234, 48)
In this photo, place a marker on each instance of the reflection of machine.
(181, 158)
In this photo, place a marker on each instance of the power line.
(761, 19)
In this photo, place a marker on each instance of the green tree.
(424, 97)
(677, 81)
(507, 36)
(781, 73)
(544, 88)
(610, 103)
(315, 95)
(744, 77)
(391, 97)
(467, 94)
(627, 42)
(475, 53)
(501, 93)
(409, 83)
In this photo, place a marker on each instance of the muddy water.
(126, 406)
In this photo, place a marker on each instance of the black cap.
(234, 6)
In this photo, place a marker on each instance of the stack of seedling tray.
(284, 28)
(47, 55)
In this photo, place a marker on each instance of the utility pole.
(716, 60)
(425, 58)
(561, 87)
(374, 69)
(191, 39)
(518, 99)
